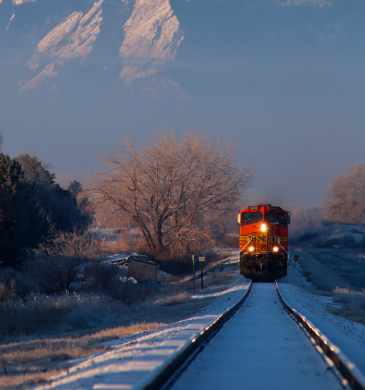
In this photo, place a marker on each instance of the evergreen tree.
(32, 205)
(75, 188)
(21, 222)
(34, 171)
(59, 205)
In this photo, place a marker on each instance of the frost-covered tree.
(173, 190)
(344, 202)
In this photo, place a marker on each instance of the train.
(263, 242)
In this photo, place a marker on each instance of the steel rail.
(167, 370)
(351, 374)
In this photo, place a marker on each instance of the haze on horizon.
(283, 79)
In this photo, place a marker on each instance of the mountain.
(142, 37)
(58, 33)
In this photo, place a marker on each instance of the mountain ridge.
(143, 37)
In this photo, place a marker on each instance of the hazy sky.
(283, 79)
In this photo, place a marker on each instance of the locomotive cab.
(263, 242)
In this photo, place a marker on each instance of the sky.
(283, 80)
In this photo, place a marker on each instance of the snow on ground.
(134, 360)
(349, 336)
(164, 277)
(260, 347)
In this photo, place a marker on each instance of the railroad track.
(259, 346)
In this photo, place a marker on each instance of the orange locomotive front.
(263, 242)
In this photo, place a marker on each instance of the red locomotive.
(263, 242)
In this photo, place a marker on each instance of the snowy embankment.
(134, 360)
(347, 335)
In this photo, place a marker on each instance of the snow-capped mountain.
(60, 32)
(143, 36)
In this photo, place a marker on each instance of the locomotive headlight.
(263, 227)
(251, 248)
(275, 249)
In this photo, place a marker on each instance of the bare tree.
(59, 262)
(344, 202)
(173, 190)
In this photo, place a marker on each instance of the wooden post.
(201, 260)
(193, 257)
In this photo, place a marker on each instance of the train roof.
(264, 208)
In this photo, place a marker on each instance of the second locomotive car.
(263, 242)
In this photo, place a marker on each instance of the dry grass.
(321, 293)
(218, 279)
(39, 313)
(29, 361)
(352, 304)
(26, 380)
(173, 300)
(322, 276)
(118, 246)
(33, 361)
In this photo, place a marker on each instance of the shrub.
(99, 277)
(22, 282)
(56, 264)
(39, 313)
(348, 241)
(307, 236)
(362, 242)
(321, 276)
(55, 274)
(331, 242)
(7, 292)
(309, 239)
(350, 299)
(107, 280)
(231, 240)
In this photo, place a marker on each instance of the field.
(88, 323)
(333, 261)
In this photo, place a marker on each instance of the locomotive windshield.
(247, 218)
(279, 218)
